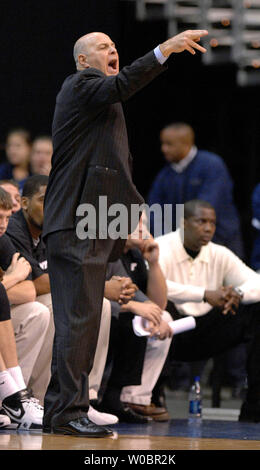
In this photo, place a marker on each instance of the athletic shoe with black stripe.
(24, 411)
(4, 419)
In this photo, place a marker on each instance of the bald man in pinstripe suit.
(91, 159)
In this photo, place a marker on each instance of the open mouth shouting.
(112, 66)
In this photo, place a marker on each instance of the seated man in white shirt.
(208, 281)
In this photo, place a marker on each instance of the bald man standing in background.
(91, 158)
(190, 174)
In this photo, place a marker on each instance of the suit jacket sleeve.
(93, 87)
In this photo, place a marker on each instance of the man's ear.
(24, 202)
(82, 61)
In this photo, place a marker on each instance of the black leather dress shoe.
(127, 415)
(82, 427)
(124, 413)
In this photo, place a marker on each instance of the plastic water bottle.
(195, 402)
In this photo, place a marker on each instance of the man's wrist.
(159, 55)
(153, 263)
(12, 277)
(165, 50)
(127, 307)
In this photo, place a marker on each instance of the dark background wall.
(36, 41)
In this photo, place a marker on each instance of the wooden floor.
(175, 434)
(31, 441)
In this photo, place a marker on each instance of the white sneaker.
(4, 420)
(101, 419)
(23, 411)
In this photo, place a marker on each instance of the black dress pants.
(127, 352)
(216, 333)
(77, 271)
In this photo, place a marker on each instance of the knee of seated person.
(46, 300)
(43, 314)
(166, 316)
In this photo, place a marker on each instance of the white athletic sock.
(7, 385)
(16, 373)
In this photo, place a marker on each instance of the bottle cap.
(197, 378)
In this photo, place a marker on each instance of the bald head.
(96, 50)
(185, 131)
(176, 141)
(82, 44)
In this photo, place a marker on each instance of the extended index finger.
(194, 33)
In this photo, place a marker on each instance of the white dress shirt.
(159, 55)
(214, 267)
(182, 164)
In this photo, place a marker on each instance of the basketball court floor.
(219, 430)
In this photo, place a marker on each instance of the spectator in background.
(18, 149)
(41, 155)
(255, 256)
(12, 188)
(196, 174)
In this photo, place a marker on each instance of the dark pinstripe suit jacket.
(91, 153)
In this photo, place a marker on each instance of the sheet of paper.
(177, 326)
